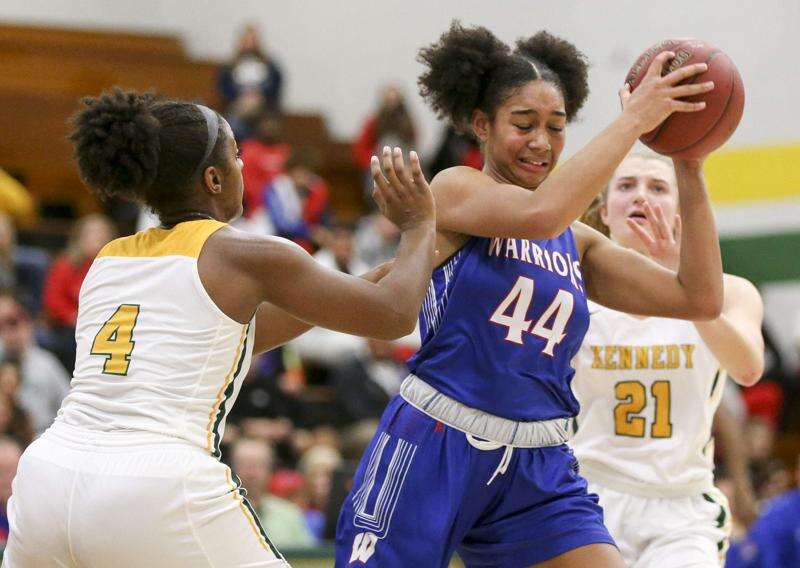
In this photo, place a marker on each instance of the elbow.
(406, 326)
(749, 374)
(747, 378)
(707, 308)
(396, 327)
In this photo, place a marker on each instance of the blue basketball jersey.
(501, 322)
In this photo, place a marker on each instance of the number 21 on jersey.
(521, 296)
(633, 398)
(115, 341)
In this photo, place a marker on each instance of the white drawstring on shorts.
(486, 445)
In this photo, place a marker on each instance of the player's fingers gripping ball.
(696, 134)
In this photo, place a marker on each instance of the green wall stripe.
(763, 258)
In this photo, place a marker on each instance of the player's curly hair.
(469, 68)
(141, 148)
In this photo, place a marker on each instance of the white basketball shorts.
(655, 532)
(114, 502)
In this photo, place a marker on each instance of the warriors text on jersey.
(154, 353)
(500, 323)
(648, 389)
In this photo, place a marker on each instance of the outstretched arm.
(275, 327)
(281, 273)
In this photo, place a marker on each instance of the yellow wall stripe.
(754, 174)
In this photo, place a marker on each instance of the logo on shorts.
(363, 547)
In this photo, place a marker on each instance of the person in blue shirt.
(472, 454)
(774, 539)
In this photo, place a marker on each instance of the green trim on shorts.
(722, 513)
(243, 492)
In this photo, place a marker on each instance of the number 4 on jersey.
(115, 340)
(521, 296)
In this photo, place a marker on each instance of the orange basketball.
(691, 135)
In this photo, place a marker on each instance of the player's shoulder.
(457, 178)
(231, 245)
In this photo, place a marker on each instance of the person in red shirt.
(297, 202)
(264, 157)
(63, 283)
(391, 125)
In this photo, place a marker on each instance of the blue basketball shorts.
(423, 491)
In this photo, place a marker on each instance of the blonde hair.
(592, 215)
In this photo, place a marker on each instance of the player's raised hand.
(662, 243)
(657, 97)
(402, 194)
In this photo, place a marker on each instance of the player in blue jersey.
(472, 455)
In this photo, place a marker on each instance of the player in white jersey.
(128, 475)
(648, 389)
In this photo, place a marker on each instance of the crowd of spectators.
(306, 411)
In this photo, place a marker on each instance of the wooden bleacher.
(45, 71)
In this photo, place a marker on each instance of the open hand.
(663, 244)
(402, 195)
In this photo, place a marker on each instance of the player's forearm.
(408, 279)
(734, 350)
(700, 270)
(570, 189)
(275, 327)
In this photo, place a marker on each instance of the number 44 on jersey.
(520, 296)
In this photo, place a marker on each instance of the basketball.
(692, 135)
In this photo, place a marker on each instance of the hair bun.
(116, 140)
(459, 68)
(565, 60)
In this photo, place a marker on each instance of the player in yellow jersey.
(649, 387)
(128, 475)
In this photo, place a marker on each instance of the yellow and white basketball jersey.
(648, 389)
(154, 353)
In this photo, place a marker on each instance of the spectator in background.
(15, 200)
(770, 476)
(264, 156)
(391, 125)
(317, 466)
(10, 453)
(339, 250)
(44, 382)
(21, 268)
(283, 521)
(252, 82)
(63, 284)
(296, 202)
(456, 149)
(774, 539)
(15, 422)
(366, 381)
(376, 239)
